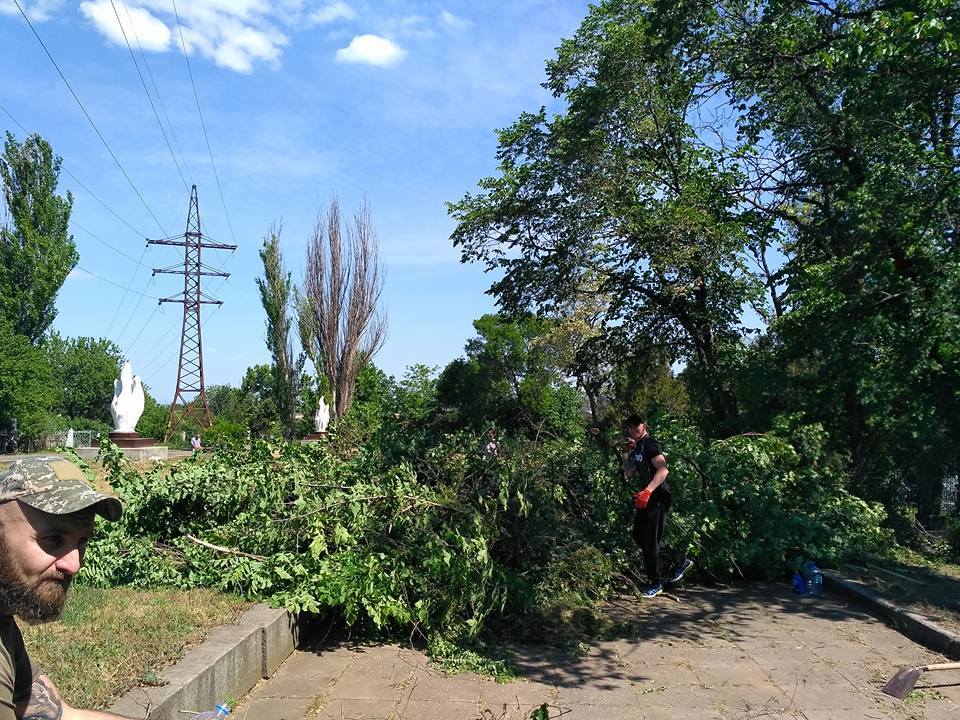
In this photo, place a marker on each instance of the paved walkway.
(750, 652)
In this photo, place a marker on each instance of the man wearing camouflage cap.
(46, 521)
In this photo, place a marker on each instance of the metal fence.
(11, 443)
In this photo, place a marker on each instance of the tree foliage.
(436, 536)
(277, 297)
(511, 378)
(85, 370)
(28, 392)
(36, 249)
(798, 159)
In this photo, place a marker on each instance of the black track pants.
(648, 525)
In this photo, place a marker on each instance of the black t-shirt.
(646, 449)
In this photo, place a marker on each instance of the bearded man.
(46, 522)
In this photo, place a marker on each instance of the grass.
(108, 641)
(926, 585)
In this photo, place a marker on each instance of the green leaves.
(36, 250)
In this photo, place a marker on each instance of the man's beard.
(33, 603)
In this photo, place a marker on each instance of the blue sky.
(393, 101)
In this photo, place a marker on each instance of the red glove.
(641, 499)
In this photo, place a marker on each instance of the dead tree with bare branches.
(340, 321)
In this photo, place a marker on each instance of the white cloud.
(416, 26)
(337, 10)
(371, 50)
(138, 24)
(39, 11)
(235, 34)
(452, 21)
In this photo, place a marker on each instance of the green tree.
(85, 369)
(618, 191)
(27, 388)
(277, 296)
(227, 403)
(855, 105)
(257, 390)
(816, 141)
(509, 378)
(36, 249)
(153, 421)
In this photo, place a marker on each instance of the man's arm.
(660, 474)
(45, 704)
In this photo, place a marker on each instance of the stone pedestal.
(315, 436)
(130, 440)
(133, 447)
(150, 452)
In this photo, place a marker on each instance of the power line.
(126, 290)
(147, 92)
(101, 240)
(130, 284)
(158, 354)
(77, 180)
(134, 311)
(87, 115)
(108, 280)
(142, 328)
(203, 125)
(156, 90)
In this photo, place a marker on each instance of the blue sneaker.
(652, 591)
(680, 571)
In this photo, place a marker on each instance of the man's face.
(636, 432)
(39, 555)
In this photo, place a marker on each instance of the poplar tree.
(36, 249)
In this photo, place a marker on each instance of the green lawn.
(110, 640)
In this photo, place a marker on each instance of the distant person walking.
(195, 443)
(645, 466)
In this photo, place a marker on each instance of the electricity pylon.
(190, 370)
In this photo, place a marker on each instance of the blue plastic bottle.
(813, 578)
(221, 711)
(799, 587)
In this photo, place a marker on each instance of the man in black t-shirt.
(644, 465)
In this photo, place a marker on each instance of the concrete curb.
(230, 661)
(914, 626)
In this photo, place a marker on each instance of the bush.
(225, 432)
(750, 504)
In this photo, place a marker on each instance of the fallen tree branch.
(221, 549)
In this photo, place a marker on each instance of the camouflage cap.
(56, 486)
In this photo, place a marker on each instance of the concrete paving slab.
(752, 652)
(440, 710)
(275, 709)
(463, 688)
(358, 710)
(518, 694)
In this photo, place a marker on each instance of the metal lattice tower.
(190, 393)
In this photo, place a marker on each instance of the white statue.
(322, 418)
(69, 441)
(127, 404)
